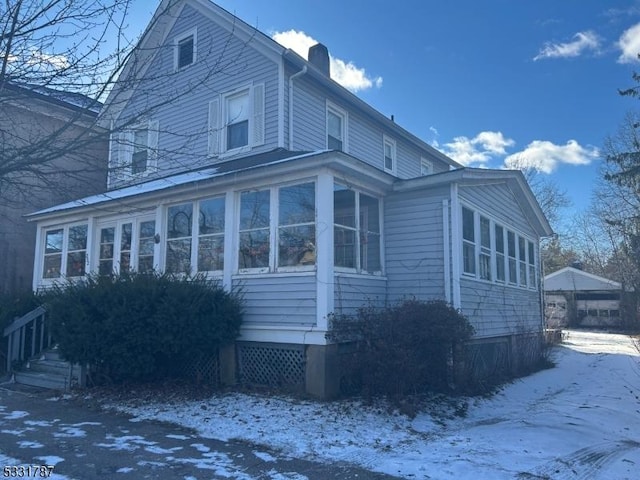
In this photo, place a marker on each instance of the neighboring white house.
(268, 175)
(577, 298)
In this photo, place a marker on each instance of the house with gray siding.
(234, 157)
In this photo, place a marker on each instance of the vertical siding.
(355, 291)
(414, 244)
(278, 299)
(223, 63)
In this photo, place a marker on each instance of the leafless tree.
(78, 47)
(552, 199)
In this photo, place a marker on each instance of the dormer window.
(185, 50)
(336, 128)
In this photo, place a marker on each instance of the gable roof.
(514, 179)
(572, 279)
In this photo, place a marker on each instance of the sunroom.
(287, 228)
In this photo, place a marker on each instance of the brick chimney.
(319, 58)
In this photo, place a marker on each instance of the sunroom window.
(53, 253)
(179, 228)
(356, 230)
(468, 242)
(211, 234)
(254, 230)
(65, 252)
(296, 225)
(485, 249)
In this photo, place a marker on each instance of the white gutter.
(291, 79)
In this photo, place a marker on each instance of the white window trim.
(428, 163)
(176, 49)
(358, 270)
(508, 281)
(274, 215)
(117, 224)
(126, 148)
(64, 252)
(394, 154)
(342, 113)
(217, 123)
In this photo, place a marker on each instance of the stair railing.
(27, 337)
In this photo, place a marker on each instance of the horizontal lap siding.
(364, 134)
(183, 124)
(354, 291)
(278, 299)
(414, 243)
(498, 202)
(496, 310)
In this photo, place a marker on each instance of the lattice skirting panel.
(275, 365)
(486, 360)
(205, 370)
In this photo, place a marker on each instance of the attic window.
(185, 53)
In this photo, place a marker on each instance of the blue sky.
(485, 82)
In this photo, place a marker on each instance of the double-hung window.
(185, 49)
(236, 120)
(522, 263)
(426, 167)
(485, 249)
(531, 260)
(511, 249)
(136, 149)
(500, 258)
(468, 242)
(356, 231)
(336, 128)
(389, 147)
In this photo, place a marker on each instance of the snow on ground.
(578, 420)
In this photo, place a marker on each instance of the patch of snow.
(179, 437)
(581, 416)
(50, 459)
(265, 457)
(70, 432)
(15, 415)
(6, 461)
(124, 470)
(26, 444)
(274, 475)
(127, 443)
(161, 451)
(38, 423)
(200, 447)
(218, 462)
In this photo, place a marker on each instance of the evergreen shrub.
(401, 350)
(141, 327)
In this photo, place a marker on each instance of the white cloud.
(546, 156)
(477, 151)
(582, 41)
(344, 72)
(629, 43)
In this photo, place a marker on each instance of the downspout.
(291, 79)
